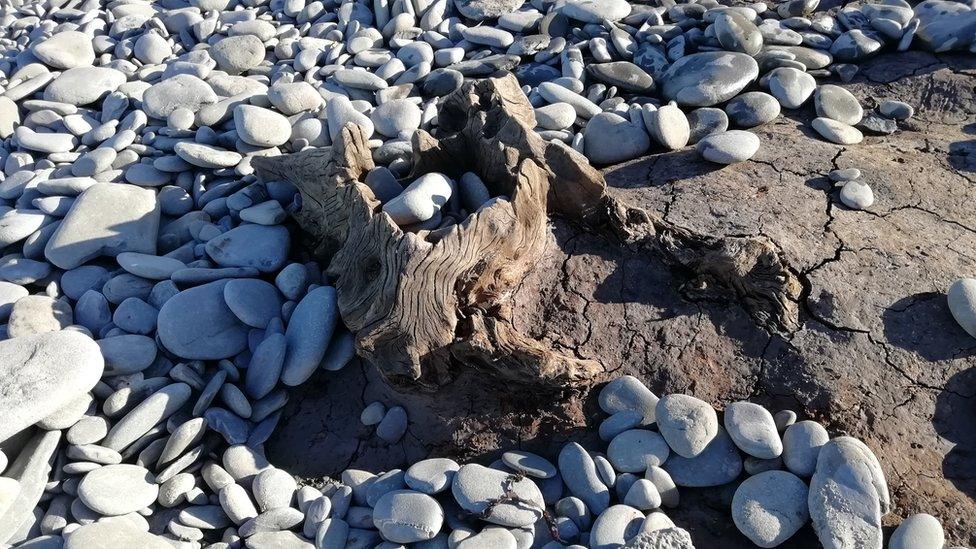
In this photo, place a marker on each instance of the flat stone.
(791, 87)
(40, 374)
(557, 116)
(613, 139)
(18, 224)
(595, 11)
(254, 301)
(105, 220)
(770, 507)
(720, 463)
(197, 324)
(920, 530)
(31, 470)
(431, 476)
(579, 473)
(118, 489)
(113, 534)
(206, 156)
(837, 103)
(152, 267)
(752, 109)
(554, 93)
(405, 516)
(237, 54)
(635, 450)
(753, 430)
(475, 487)
(529, 464)
(308, 334)
(728, 147)
(66, 50)
(280, 539)
(127, 354)
(181, 91)
(686, 423)
(147, 414)
(709, 78)
(623, 74)
(848, 495)
(262, 247)
(84, 85)
(896, 110)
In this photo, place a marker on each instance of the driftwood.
(421, 304)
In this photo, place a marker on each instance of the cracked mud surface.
(877, 354)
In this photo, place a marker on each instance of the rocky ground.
(876, 354)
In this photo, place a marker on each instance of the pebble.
(84, 85)
(921, 530)
(961, 299)
(802, 442)
(753, 430)
(614, 526)
(431, 476)
(857, 195)
(41, 373)
(668, 126)
(770, 507)
(475, 486)
(308, 334)
(530, 464)
(113, 534)
(557, 116)
(719, 463)
(254, 302)
(848, 495)
(197, 324)
(579, 473)
(613, 139)
(405, 516)
(686, 423)
(706, 121)
(838, 104)
(791, 87)
(837, 132)
(261, 127)
(729, 147)
(635, 450)
(708, 78)
(896, 110)
(181, 91)
(66, 50)
(393, 425)
(118, 489)
(421, 200)
(752, 109)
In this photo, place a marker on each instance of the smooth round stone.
(88, 430)
(618, 423)
(668, 126)
(181, 91)
(206, 156)
(152, 267)
(84, 85)
(838, 104)
(635, 450)
(595, 11)
(262, 247)
(237, 54)
(705, 121)
(37, 314)
(236, 503)
(480, 10)
(118, 489)
(847, 174)
(393, 426)
(855, 45)
(293, 98)
(579, 473)
(128, 353)
(491, 537)
(66, 50)
(254, 301)
(308, 334)
(916, 531)
(791, 87)
(197, 324)
(529, 464)
(421, 200)
(117, 533)
(613, 139)
(405, 516)
(802, 442)
(624, 75)
(261, 127)
(393, 117)
(686, 423)
(373, 414)
(146, 415)
(752, 109)
(708, 78)
(273, 489)
(665, 485)
(783, 419)
(643, 495)
(737, 33)
(719, 463)
(753, 430)
(628, 394)
(728, 147)
(961, 299)
(837, 132)
(475, 487)
(848, 494)
(857, 195)
(897, 110)
(614, 526)
(557, 116)
(341, 112)
(431, 476)
(770, 507)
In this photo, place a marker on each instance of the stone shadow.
(921, 323)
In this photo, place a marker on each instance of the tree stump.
(424, 304)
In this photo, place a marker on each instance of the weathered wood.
(424, 303)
